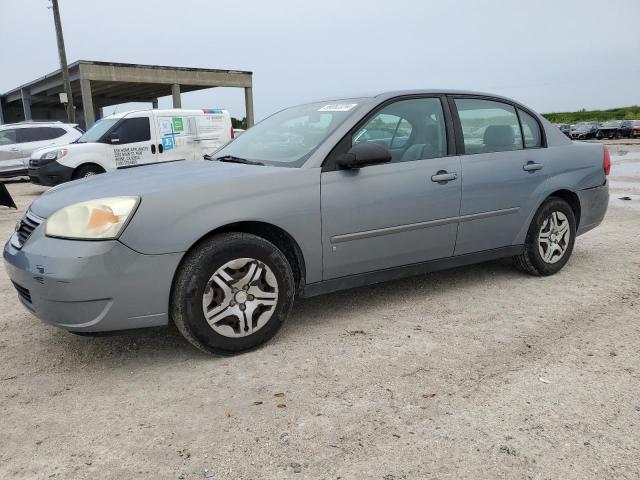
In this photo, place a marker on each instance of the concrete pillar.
(154, 103)
(248, 102)
(26, 103)
(175, 93)
(87, 103)
(1, 112)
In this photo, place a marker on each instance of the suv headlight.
(102, 219)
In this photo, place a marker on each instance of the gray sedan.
(311, 200)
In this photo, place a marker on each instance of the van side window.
(132, 130)
(7, 137)
(530, 130)
(488, 126)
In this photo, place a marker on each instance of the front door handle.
(153, 148)
(443, 177)
(532, 167)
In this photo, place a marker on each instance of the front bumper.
(49, 174)
(593, 207)
(91, 286)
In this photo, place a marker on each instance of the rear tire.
(85, 171)
(232, 293)
(550, 239)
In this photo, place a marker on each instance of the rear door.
(35, 138)
(176, 137)
(399, 213)
(501, 169)
(10, 153)
(133, 141)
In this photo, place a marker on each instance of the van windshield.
(289, 137)
(96, 132)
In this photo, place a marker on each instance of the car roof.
(36, 123)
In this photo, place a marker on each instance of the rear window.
(488, 126)
(39, 134)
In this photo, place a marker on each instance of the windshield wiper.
(232, 159)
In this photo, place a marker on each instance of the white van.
(133, 138)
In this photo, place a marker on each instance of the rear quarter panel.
(573, 166)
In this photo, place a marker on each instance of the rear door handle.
(443, 176)
(14, 149)
(532, 167)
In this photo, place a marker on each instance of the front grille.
(23, 292)
(25, 228)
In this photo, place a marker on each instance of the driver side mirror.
(363, 155)
(113, 138)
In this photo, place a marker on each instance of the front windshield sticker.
(338, 107)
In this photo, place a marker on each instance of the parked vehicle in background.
(614, 129)
(584, 130)
(626, 129)
(564, 128)
(303, 204)
(238, 131)
(133, 138)
(19, 140)
(635, 128)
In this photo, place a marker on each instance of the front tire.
(232, 293)
(550, 239)
(86, 171)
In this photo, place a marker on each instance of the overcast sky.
(553, 55)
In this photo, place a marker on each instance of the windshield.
(98, 129)
(289, 137)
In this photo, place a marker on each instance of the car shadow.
(166, 345)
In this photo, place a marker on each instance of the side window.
(132, 130)
(39, 134)
(488, 126)
(7, 137)
(530, 130)
(411, 129)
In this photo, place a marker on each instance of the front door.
(503, 165)
(133, 141)
(398, 213)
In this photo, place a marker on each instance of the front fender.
(170, 221)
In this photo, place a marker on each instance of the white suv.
(19, 140)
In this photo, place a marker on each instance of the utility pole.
(71, 114)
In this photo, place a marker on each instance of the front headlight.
(102, 219)
(54, 154)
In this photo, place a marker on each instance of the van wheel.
(550, 239)
(85, 171)
(232, 293)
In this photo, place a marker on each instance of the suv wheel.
(550, 239)
(232, 293)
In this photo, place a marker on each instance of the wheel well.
(572, 199)
(275, 235)
(88, 164)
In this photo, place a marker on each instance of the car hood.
(166, 178)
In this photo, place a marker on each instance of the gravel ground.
(477, 372)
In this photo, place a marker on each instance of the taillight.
(606, 161)
(233, 135)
